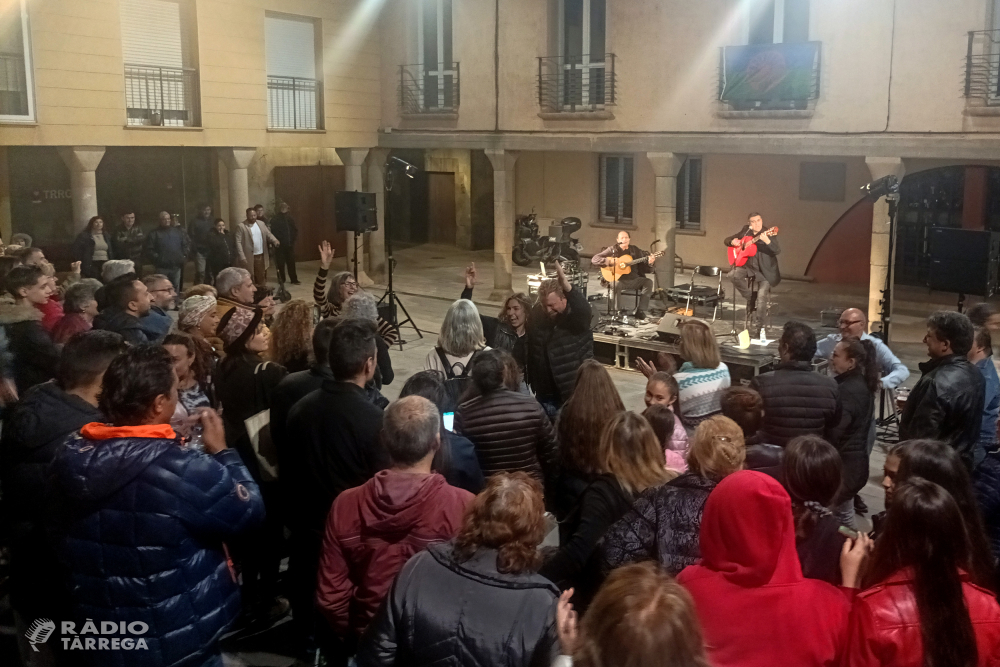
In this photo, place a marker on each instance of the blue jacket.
(139, 527)
(991, 408)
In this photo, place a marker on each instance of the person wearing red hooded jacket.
(373, 529)
(755, 607)
(921, 607)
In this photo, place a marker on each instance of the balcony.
(294, 103)
(577, 85)
(161, 96)
(982, 73)
(426, 90)
(13, 85)
(769, 80)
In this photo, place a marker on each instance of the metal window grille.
(165, 96)
(429, 88)
(576, 83)
(616, 189)
(294, 103)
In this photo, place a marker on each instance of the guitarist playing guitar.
(755, 278)
(635, 278)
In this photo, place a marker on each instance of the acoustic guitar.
(739, 254)
(623, 266)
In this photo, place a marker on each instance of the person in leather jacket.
(947, 403)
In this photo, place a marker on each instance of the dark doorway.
(309, 193)
(150, 180)
(41, 203)
(482, 201)
(406, 206)
(441, 207)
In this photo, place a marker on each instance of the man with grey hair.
(113, 268)
(362, 306)
(236, 289)
(162, 296)
(373, 529)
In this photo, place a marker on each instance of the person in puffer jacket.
(140, 518)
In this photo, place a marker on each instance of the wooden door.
(441, 207)
(309, 193)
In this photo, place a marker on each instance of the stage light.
(408, 168)
(883, 187)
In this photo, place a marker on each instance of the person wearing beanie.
(198, 316)
(244, 385)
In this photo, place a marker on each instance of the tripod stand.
(390, 294)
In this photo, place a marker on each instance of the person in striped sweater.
(702, 377)
(330, 293)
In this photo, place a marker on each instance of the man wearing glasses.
(854, 324)
(162, 295)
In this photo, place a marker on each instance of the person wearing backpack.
(461, 339)
(509, 430)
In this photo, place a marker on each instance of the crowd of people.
(507, 509)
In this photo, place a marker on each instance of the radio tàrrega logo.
(40, 631)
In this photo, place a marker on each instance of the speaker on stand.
(355, 212)
(964, 261)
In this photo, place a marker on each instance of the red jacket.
(52, 312)
(885, 625)
(755, 607)
(371, 531)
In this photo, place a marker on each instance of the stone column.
(82, 162)
(666, 166)
(503, 220)
(879, 168)
(375, 246)
(237, 160)
(353, 159)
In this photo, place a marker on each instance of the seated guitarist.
(762, 268)
(637, 278)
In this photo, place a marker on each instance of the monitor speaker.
(964, 261)
(668, 330)
(355, 211)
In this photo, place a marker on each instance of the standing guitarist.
(636, 279)
(755, 279)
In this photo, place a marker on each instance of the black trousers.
(635, 281)
(757, 293)
(284, 258)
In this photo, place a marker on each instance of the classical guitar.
(739, 254)
(623, 266)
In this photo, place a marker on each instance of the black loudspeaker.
(355, 211)
(963, 260)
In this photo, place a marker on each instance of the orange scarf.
(99, 431)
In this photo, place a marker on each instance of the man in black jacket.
(336, 434)
(167, 248)
(755, 279)
(559, 340)
(33, 430)
(947, 403)
(198, 230)
(283, 227)
(636, 279)
(127, 300)
(797, 401)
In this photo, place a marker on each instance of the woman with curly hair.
(193, 381)
(291, 336)
(477, 596)
(330, 293)
(506, 330)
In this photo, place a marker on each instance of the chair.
(700, 295)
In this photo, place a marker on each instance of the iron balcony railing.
(165, 96)
(569, 84)
(433, 88)
(759, 77)
(294, 103)
(982, 67)
(13, 85)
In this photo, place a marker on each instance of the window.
(582, 47)
(16, 102)
(689, 194)
(435, 56)
(161, 82)
(777, 21)
(294, 92)
(616, 189)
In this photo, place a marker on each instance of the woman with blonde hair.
(460, 338)
(477, 597)
(702, 376)
(640, 617)
(664, 522)
(628, 461)
(291, 336)
(506, 330)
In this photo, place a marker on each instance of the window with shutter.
(160, 81)
(294, 93)
(616, 189)
(689, 194)
(16, 102)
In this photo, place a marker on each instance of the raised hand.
(213, 433)
(566, 623)
(470, 275)
(75, 267)
(326, 253)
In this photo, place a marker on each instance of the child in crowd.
(662, 389)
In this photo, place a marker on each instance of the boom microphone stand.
(390, 294)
